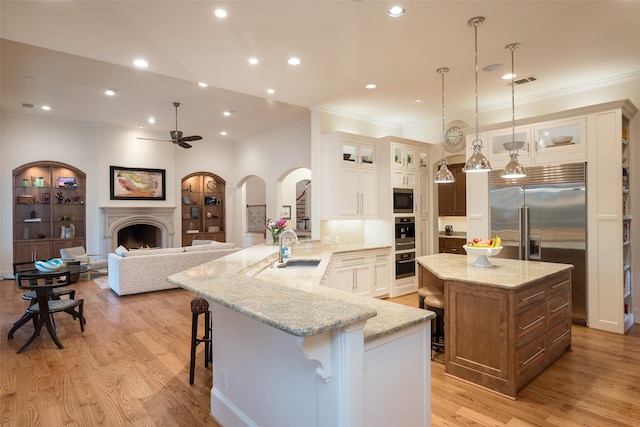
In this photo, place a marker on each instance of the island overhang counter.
(289, 351)
(503, 325)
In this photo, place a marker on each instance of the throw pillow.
(121, 250)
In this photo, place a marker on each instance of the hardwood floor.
(131, 367)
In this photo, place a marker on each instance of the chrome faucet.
(295, 236)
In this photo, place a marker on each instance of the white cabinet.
(403, 161)
(358, 197)
(381, 273)
(350, 189)
(552, 142)
(361, 272)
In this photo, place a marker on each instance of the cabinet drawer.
(455, 246)
(529, 296)
(558, 308)
(561, 285)
(559, 339)
(351, 259)
(530, 360)
(530, 324)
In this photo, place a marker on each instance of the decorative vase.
(276, 238)
(62, 231)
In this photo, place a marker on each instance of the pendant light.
(513, 169)
(444, 175)
(477, 162)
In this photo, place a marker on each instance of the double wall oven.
(405, 244)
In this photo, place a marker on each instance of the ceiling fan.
(176, 135)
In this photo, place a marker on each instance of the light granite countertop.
(506, 273)
(294, 300)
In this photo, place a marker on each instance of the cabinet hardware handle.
(561, 336)
(532, 296)
(524, 328)
(541, 350)
(359, 259)
(560, 308)
(557, 285)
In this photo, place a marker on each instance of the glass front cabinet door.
(499, 143)
(560, 141)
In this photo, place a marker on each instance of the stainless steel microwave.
(402, 200)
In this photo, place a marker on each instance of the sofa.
(146, 270)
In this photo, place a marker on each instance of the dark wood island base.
(503, 325)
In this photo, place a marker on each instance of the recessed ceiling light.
(253, 61)
(151, 120)
(140, 63)
(202, 84)
(396, 11)
(46, 108)
(271, 91)
(110, 92)
(419, 101)
(223, 133)
(370, 86)
(294, 61)
(226, 113)
(220, 13)
(508, 76)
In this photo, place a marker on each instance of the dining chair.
(29, 267)
(42, 310)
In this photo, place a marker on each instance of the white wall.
(271, 156)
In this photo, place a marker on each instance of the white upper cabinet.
(553, 142)
(350, 177)
(404, 170)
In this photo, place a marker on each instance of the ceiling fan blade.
(191, 138)
(151, 139)
(184, 144)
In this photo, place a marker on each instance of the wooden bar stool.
(433, 300)
(200, 306)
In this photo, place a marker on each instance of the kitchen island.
(289, 351)
(503, 325)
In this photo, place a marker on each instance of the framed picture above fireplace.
(137, 183)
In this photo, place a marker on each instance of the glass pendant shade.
(477, 162)
(444, 175)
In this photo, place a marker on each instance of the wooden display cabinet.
(49, 210)
(203, 203)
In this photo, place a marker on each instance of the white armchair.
(92, 261)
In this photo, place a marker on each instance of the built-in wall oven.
(405, 265)
(405, 239)
(405, 233)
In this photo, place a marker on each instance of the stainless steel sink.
(299, 263)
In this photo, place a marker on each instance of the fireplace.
(139, 236)
(136, 227)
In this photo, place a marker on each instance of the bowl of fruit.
(483, 249)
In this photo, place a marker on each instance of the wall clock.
(454, 137)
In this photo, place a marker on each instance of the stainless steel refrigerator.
(543, 218)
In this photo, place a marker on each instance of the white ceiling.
(66, 53)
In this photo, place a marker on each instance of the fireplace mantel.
(117, 218)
